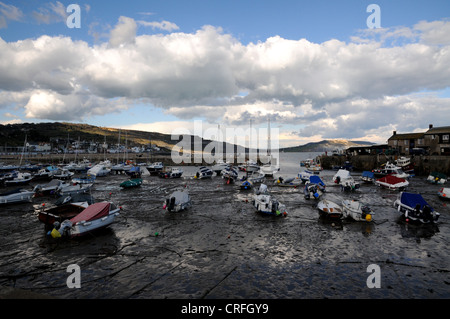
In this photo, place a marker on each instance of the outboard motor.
(171, 203)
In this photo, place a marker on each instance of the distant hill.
(325, 146)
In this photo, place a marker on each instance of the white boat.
(249, 166)
(45, 173)
(405, 164)
(256, 177)
(329, 209)
(68, 189)
(444, 193)
(315, 168)
(63, 173)
(414, 208)
(99, 170)
(16, 196)
(229, 174)
(390, 169)
(84, 179)
(94, 217)
(437, 178)
(178, 201)
(155, 168)
(287, 182)
(355, 210)
(345, 180)
(203, 172)
(47, 189)
(267, 204)
(269, 169)
(19, 178)
(171, 172)
(392, 182)
(220, 166)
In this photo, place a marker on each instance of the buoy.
(368, 217)
(156, 234)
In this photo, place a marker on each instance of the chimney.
(395, 133)
(430, 126)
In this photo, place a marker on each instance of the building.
(437, 139)
(406, 144)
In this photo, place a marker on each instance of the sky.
(316, 69)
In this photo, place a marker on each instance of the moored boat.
(171, 172)
(392, 182)
(230, 174)
(203, 172)
(178, 201)
(444, 193)
(414, 208)
(368, 177)
(16, 196)
(437, 178)
(329, 209)
(265, 203)
(355, 210)
(134, 182)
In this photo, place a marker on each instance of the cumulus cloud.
(346, 89)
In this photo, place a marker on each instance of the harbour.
(221, 248)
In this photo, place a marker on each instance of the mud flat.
(222, 249)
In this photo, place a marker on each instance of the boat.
(203, 172)
(84, 179)
(392, 182)
(329, 209)
(267, 204)
(437, 178)
(405, 164)
(98, 170)
(48, 215)
(314, 188)
(345, 180)
(220, 166)
(45, 173)
(67, 189)
(155, 168)
(287, 182)
(354, 209)
(19, 178)
(134, 171)
(246, 185)
(135, 182)
(171, 172)
(249, 166)
(269, 169)
(178, 201)
(94, 217)
(414, 208)
(304, 175)
(17, 195)
(47, 189)
(390, 169)
(229, 174)
(63, 173)
(315, 168)
(444, 193)
(368, 177)
(256, 177)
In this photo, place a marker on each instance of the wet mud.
(222, 248)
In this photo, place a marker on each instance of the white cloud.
(9, 12)
(342, 90)
(164, 25)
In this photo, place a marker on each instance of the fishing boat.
(345, 180)
(203, 172)
(155, 168)
(94, 217)
(171, 172)
(329, 209)
(414, 208)
(178, 201)
(390, 169)
(354, 209)
(444, 193)
(392, 182)
(437, 178)
(287, 182)
(47, 189)
(68, 189)
(405, 164)
(58, 213)
(19, 178)
(16, 196)
(230, 174)
(134, 182)
(267, 204)
(368, 177)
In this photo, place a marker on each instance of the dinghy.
(178, 201)
(444, 193)
(437, 178)
(155, 168)
(63, 173)
(135, 182)
(267, 204)
(246, 185)
(354, 209)
(305, 175)
(329, 209)
(368, 177)
(414, 208)
(392, 182)
(229, 174)
(51, 214)
(94, 217)
(345, 180)
(16, 196)
(256, 177)
(67, 189)
(47, 189)
(18, 179)
(171, 172)
(288, 182)
(203, 172)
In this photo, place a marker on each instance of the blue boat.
(368, 177)
(415, 208)
(246, 185)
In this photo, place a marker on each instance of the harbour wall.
(423, 165)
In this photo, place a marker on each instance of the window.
(406, 142)
(445, 138)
